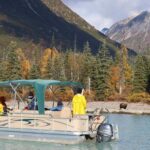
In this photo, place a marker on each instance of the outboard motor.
(104, 133)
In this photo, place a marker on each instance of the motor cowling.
(104, 133)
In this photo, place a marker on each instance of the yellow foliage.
(139, 97)
(114, 76)
(128, 72)
(20, 54)
(25, 66)
(25, 63)
(90, 95)
(66, 94)
(116, 97)
(126, 67)
(48, 53)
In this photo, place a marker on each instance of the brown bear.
(123, 105)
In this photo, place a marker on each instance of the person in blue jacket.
(59, 106)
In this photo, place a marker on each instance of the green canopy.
(39, 87)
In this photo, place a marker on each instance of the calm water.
(134, 132)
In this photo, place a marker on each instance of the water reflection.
(107, 146)
(133, 131)
(21, 145)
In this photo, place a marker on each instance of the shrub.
(116, 97)
(139, 97)
(90, 95)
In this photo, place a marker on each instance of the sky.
(104, 13)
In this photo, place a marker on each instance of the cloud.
(103, 13)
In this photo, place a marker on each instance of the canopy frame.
(39, 86)
(14, 88)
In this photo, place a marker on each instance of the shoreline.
(114, 107)
(111, 107)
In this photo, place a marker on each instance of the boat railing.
(30, 120)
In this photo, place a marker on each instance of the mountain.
(105, 30)
(47, 22)
(134, 32)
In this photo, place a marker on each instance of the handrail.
(41, 122)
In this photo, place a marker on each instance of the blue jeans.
(57, 108)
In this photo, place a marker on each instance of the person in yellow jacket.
(79, 103)
(1, 109)
(3, 106)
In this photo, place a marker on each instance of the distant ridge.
(134, 32)
(37, 21)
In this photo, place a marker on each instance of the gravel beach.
(111, 106)
(114, 107)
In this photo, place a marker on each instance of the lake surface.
(134, 134)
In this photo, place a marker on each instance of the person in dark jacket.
(32, 102)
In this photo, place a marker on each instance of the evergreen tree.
(72, 63)
(117, 57)
(94, 73)
(13, 70)
(50, 69)
(102, 77)
(141, 73)
(76, 66)
(52, 45)
(3, 65)
(59, 71)
(67, 65)
(34, 72)
(87, 64)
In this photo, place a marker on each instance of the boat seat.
(64, 113)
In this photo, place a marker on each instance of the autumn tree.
(25, 63)
(114, 81)
(114, 78)
(125, 70)
(126, 66)
(47, 54)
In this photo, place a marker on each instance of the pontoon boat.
(52, 126)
